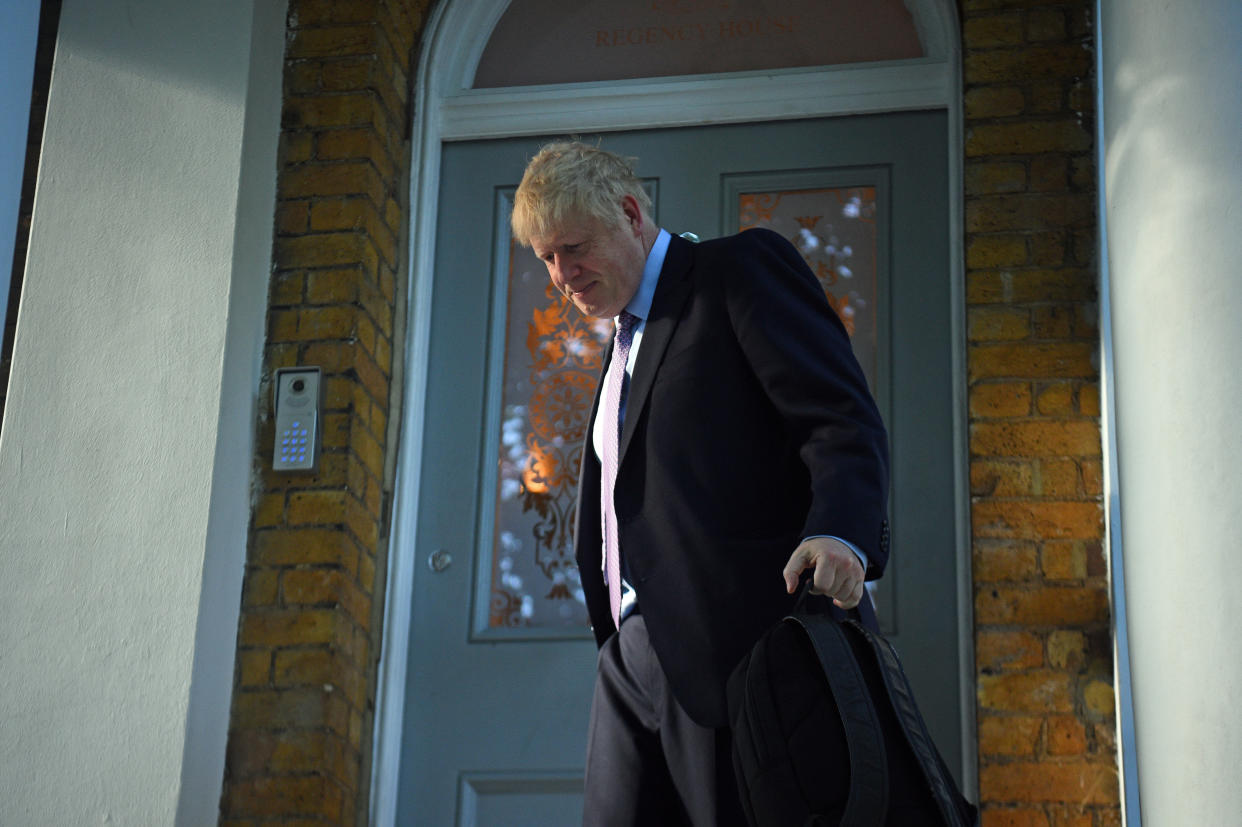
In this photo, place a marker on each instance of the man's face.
(597, 266)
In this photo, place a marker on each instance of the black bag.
(826, 733)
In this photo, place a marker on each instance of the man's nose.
(564, 268)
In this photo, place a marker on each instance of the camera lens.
(299, 385)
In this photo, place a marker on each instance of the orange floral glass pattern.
(550, 378)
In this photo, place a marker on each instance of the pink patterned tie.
(612, 446)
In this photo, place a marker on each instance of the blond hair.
(572, 181)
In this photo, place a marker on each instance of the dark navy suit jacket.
(748, 427)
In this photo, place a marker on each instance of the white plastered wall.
(1173, 199)
(127, 438)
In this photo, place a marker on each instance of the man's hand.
(838, 572)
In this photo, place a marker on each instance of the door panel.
(501, 665)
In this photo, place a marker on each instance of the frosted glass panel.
(835, 230)
(552, 41)
(553, 356)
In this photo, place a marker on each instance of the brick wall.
(1044, 662)
(309, 637)
(300, 735)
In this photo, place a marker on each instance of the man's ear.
(633, 214)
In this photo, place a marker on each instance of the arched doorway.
(458, 656)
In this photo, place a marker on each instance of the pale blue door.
(501, 662)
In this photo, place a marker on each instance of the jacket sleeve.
(802, 357)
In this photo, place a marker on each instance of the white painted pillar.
(1173, 194)
(128, 434)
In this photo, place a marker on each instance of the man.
(745, 451)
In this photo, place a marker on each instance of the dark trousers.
(647, 762)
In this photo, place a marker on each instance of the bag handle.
(867, 804)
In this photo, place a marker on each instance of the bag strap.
(868, 797)
(915, 729)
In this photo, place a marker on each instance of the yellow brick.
(319, 250)
(1022, 64)
(1022, 286)
(992, 30)
(287, 627)
(1055, 400)
(1001, 478)
(1038, 438)
(1098, 696)
(993, 102)
(313, 796)
(1042, 606)
(1032, 361)
(363, 524)
(1052, 321)
(379, 308)
(1049, 173)
(262, 588)
(302, 77)
(1045, 24)
(1036, 691)
(279, 354)
(336, 430)
(1003, 560)
(1029, 211)
(995, 400)
(997, 651)
(368, 451)
(254, 667)
(1067, 649)
(998, 324)
(1013, 817)
(1092, 477)
(295, 147)
(336, 286)
(304, 546)
(352, 74)
(298, 752)
(1001, 250)
(1057, 478)
(316, 507)
(383, 358)
(322, 179)
(1047, 97)
(304, 667)
(1079, 784)
(984, 178)
(333, 41)
(1000, 399)
(1048, 249)
(1089, 399)
(291, 217)
(1066, 736)
(1036, 520)
(1027, 137)
(1086, 324)
(1009, 735)
(270, 510)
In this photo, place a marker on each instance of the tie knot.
(626, 323)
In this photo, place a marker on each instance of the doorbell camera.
(299, 410)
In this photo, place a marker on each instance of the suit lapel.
(670, 295)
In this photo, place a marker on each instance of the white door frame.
(446, 108)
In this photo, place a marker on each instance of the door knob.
(439, 560)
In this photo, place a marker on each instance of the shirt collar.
(640, 304)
